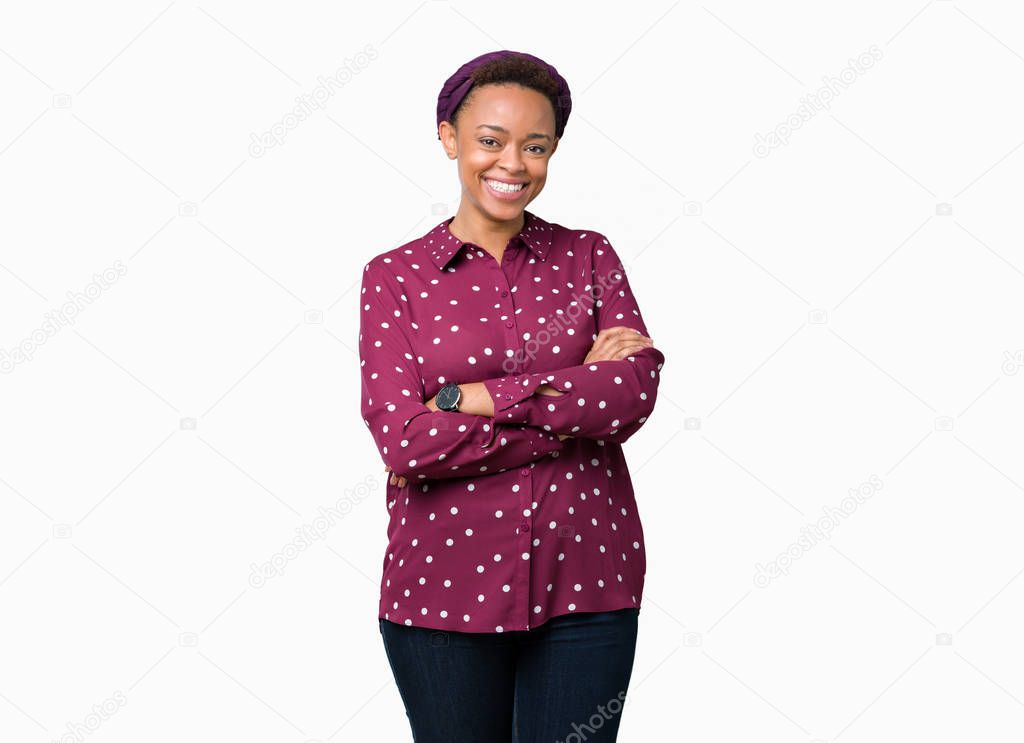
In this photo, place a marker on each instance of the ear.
(446, 133)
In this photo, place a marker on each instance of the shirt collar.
(442, 245)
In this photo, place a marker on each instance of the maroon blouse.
(501, 525)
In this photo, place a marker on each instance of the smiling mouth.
(501, 187)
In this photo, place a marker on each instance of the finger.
(610, 351)
(625, 352)
(547, 389)
(634, 338)
(621, 333)
(627, 349)
(605, 343)
(620, 329)
(635, 335)
(612, 341)
(613, 329)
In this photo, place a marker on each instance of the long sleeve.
(413, 440)
(607, 400)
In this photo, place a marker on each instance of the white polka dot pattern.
(501, 525)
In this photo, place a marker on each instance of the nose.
(511, 160)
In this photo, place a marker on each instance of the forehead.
(510, 106)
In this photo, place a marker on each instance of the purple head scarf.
(458, 85)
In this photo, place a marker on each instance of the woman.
(504, 362)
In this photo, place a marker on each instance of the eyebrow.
(531, 135)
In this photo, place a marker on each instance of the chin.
(499, 210)
(506, 209)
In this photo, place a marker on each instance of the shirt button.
(504, 293)
(525, 472)
(508, 324)
(525, 526)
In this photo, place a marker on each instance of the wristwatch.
(449, 397)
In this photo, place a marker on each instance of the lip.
(503, 180)
(505, 196)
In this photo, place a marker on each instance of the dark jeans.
(563, 682)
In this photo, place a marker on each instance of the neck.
(470, 225)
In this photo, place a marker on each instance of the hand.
(547, 389)
(617, 343)
(564, 436)
(395, 479)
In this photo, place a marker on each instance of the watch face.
(447, 396)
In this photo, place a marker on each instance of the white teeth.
(506, 187)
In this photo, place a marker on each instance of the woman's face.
(506, 133)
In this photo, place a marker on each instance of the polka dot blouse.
(501, 525)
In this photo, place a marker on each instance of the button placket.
(508, 308)
(525, 547)
(525, 500)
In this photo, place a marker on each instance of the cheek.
(472, 168)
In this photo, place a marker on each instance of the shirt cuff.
(508, 391)
(530, 442)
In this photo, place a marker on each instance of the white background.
(826, 322)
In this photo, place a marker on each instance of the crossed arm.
(511, 420)
(611, 344)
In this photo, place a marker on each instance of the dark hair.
(512, 70)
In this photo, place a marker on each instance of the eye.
(488, 141)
